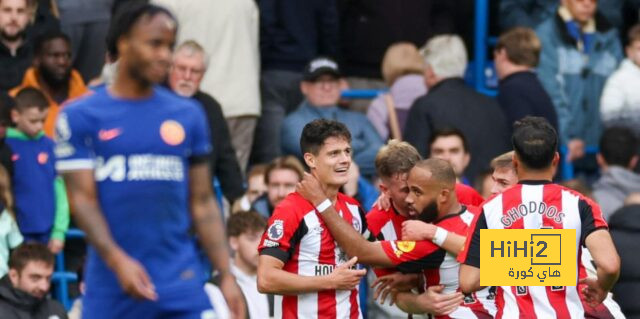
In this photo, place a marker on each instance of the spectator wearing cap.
(451, 103)
(520, 93)
(321, 88)
(187, 70)
(291, 34)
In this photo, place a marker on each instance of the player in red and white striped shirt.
(299, 260)
(537, 203)
(432, 194)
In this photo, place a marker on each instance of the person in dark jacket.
(291, 34)
(23, 291)
(16, 52)
(520, 93)
(450, 103)
(624, 226)
(189, 66)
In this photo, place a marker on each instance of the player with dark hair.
(536, 158)
(134, 157)
(299, 259)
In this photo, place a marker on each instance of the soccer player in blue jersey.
(134, 158)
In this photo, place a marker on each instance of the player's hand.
(55, 245)
(575, 149)
(133, 278)
(233, 296)
(439, 304)
(417, 230)
(311, 190)
(383, 202)
(396, 281)
(345, 278)
(592, 293)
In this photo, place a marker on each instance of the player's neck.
(542, 175)
(244, 267)
(125, 86)
(453, 208)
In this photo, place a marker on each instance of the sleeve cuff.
(59, 235)
(75, 164)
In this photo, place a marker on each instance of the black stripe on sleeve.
(431, 261)
(284, 256)
(473, 255)
(586, 218)
(199, 159)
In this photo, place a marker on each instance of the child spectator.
(42, 209)
(10, 236)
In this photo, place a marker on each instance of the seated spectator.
(186, 73)
(42, 209)
(244, 230)
(402, 70)
(281, 177)
(620, 102)
(10, 236)
(256, 187)
(52, 74)
(320, 86)
(450, 103)
(579, 52)
(624, 226)
(617, 158)
(23, 292)
(16, 52)
(520, 93)
(450, 144)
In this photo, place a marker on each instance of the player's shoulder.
(347, 199)
(377, 218)
(294, 205)
(175, 101)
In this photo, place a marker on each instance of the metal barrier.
(61, 277)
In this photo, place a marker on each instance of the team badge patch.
(406, 246)
(276, 230)
(42, 158)
(172, 132)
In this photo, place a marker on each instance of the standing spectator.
(23, 292)
(402, 70)
(228, 31)
(620, 102)
(320, 86)
(625, 230)
(579, 51)
(42, 210)
(450, 103)
(450, 144)
(86, 23)
(52, 74)
(42, 19)
(617, 158)
(281, 177)
(15, 48)
(520, 93)
(291, 34)
(531, 13)
(188, 67)
(244, 230)
(368, 28)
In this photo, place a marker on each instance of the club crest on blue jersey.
(172, 132)
(276, 230)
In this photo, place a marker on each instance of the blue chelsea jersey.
(140, 152)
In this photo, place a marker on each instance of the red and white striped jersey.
(535, 205)
(385, 225)
(441, 268)
(298, 236)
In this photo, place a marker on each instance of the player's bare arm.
(132, 276)
(418, 230)
(352, 242)
(273, 279)
(210, 230)
(431, 301)
(607, 263)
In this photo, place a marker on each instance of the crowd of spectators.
(262, 69)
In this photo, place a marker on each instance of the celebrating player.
(299, 260)
(134, 159)
(535, 160)
(432, 194)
